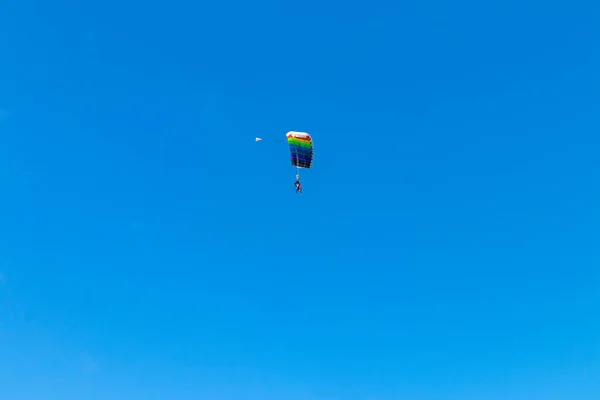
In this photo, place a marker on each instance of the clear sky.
(445, 245)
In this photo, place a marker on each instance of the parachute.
(301, 149)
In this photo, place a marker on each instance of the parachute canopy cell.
(301, 149)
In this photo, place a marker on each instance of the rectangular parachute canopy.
(301, 149)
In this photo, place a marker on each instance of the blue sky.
(445, 246)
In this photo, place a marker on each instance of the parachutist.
(298, 186)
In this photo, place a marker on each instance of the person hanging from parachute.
(298, 185)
